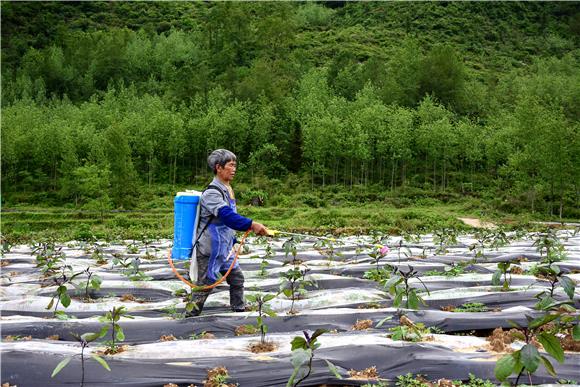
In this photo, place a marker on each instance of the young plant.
(471, 307)
(453, 270)
(62, 295)
(133, 248)
(303, 349)
(264, 263)
(111, 319)
(49, 257)
(443, 239)
(327, 247)
(555, 277)
(550, 244)
(294, 284)
(398, 286)
(84, 340)
(377, 253)
(189, 299)
(483, 237)
(260, 300)
(407, 330)
(381, 275)
(93, 282)
(291, 247)
(134, 273)
(503, 269)
(528, 358)
(98, 254)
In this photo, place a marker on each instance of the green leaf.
(576, 332)
(333, 369)
(90, 336)
(496, 278)
(380, 323)
(298, 342)
(50, 304)
(101, 361)
(189, 306)
(530, 357)
(549, 367)
(538, 322)
(398, 299)
(287, 293)
(504, 367)
(317, 333)
(552, 346)
(60, 366)
(413, 301)
(65, 300)
(269, 297)
(392, 281)
(300, 357)
(568, 285)
(120, 334)
(104, 331)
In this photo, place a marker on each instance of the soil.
(448, 308)
(259, 347)
(362, 325)
(516, 270)
(214, 375)
(130, 297)
(109, 351)
(245, 330)
(366, 374)
(569, 344)
(17, 338)
(4, 263)
(167, 338)
(53, 337)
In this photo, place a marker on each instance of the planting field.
(443, 306)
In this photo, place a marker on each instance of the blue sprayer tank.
(186, 218)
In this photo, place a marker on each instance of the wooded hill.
(101, 100)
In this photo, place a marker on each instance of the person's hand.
(259, 228)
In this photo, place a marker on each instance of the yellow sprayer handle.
(272, 233)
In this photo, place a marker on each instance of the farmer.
(216, 236)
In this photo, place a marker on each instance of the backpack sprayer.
(186, 220)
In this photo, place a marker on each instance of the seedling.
(293, 284)
(549, 244)
(303, 349)
(555, 277)
(503, 269)
(407, 330)
(379, 275)
(62, 295)
(499, 238)
(528, 358)
(133, 248)
(377, 253)
(98, 254)
(134, 273)
(443, 239)
(111, 318)
(291, 247)
(188, 298)
(260, 301)
(93, 282)
(483, 237)
(453, 270)
(398, 286)
(326, 247)
(264, 263)
(48, 257)
(84, 340)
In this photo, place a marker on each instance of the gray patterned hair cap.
(220, 157)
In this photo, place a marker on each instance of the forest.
(105, 104)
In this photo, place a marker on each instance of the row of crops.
(438, 309)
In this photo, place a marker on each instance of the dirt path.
(477, 223)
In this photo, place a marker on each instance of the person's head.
(223, 163)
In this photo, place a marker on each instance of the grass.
(24, 223)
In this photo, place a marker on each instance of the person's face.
(227, 172)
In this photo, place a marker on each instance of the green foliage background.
(117, 104)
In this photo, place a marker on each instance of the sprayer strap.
(211, 216)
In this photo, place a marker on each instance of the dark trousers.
(235, 279)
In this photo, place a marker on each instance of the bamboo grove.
(100, 100)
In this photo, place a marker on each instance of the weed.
(471, 307)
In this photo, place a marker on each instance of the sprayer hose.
(219, 281)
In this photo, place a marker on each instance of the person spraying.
(218, 221)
